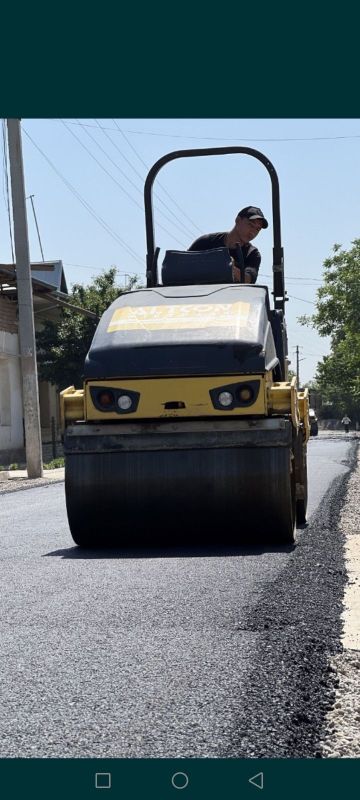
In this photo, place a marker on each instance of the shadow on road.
(188, 551)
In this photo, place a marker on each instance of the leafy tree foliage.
(62, 346)
(338, 316)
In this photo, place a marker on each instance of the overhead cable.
(158, 182)
(117, 182)
(87, 205)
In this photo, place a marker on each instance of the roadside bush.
(55, 463)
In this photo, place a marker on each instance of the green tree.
(62, 346)
(337, 315)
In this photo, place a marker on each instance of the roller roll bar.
(278, 254)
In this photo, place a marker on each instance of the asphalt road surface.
(192, 653)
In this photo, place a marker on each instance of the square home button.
(103, 780)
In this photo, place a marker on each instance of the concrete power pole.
(297, 365)
(25, 303)
(298, 359)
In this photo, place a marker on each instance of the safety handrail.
(278, 253)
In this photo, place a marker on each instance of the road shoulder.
(17, 480)
(342, 730)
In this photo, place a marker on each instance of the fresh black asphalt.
(183, 653)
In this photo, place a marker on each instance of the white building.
(49, 292)
(11, 416)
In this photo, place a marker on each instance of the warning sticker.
(192, 315)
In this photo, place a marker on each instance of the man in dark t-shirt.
(248, 223)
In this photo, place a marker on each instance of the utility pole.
(36, 223)
(25, 304)
(297, 364)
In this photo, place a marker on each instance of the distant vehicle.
(314, 427)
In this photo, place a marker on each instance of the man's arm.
(252, 263)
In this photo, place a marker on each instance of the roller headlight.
(231, 396)
(114, 400)
(225, 399)
(124, 402)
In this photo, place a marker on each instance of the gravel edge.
(341, 738)
(20, 484)
(293, 681)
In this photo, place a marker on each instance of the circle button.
(179, 780)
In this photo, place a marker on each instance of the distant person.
(346, 422)
(248, 224)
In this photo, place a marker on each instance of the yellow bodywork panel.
(194, 393)
(275, 399)
(71, 406)
(284, 398)
(304, 405)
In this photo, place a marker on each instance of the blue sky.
(87, 180)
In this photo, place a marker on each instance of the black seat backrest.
(196, 267)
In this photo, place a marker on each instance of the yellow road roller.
(187, 428)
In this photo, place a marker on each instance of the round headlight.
(225, 399)
(124, 402)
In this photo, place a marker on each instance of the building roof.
(51, 273)
(46, 276)
(48, 284)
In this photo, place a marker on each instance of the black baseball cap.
(252, 212)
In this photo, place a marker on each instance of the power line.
(231, 139)
(87, 205)
(102, 167)
(158, 182)
(316, 355)
(89, 266)
(104, 130)
(117, 182)
(296, 278)
(302, 299)
(299, 278)
(183, 227)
